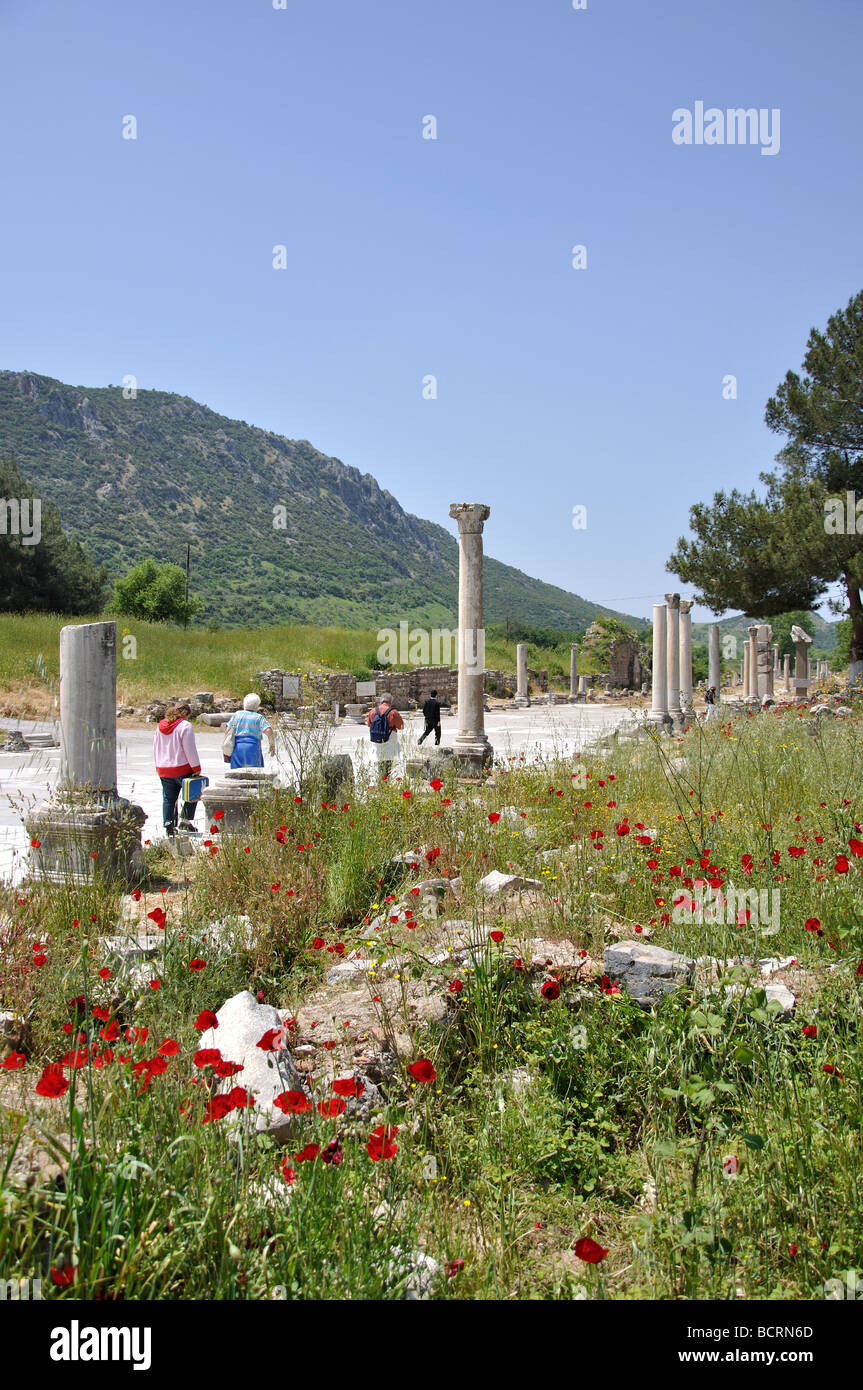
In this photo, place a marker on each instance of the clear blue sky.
(408, 257)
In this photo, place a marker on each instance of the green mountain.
(134, 478)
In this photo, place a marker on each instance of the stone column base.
(80, 844)
(236, 799)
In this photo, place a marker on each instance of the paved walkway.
(25, 778)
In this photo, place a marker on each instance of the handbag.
(229, 741)
(192, 787)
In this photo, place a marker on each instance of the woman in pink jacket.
(176, 756)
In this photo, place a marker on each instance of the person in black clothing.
(431, 715)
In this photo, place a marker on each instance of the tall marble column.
(786, 671)
(746, 670)
(686, 655)
(659, 673)
(88, 708)
(802, 641)
(573, 673)
(714, 666)
(672, 656)
(752, 692)
(471, 743)
(88, 831)
(521, 696)
(764, 681)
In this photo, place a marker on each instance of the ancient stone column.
(686, 655)
(746, 670)
(786, 671)
(714, 666)
(521, 695)
(88, 830)
(582, 686)
(659, 673)
(752, 692)
(801, 639)
(672, 656)
(776, 665)
(573, 673)
(471, 743)
(88, 707)
(764, 685)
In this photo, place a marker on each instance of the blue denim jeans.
(170, 795)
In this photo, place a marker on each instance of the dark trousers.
(427, 731)
(170, 794)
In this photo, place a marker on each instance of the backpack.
(379, 729)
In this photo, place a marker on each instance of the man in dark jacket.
(431, 715)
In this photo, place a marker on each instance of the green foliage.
(769, 555)
(52, 575)
(154, 593)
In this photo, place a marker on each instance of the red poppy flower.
(100, 1013)
(239, 1098)
(456, 986)
(197, 964)
(349, 1086)
(137, 1035)
(331, 1108)
(39, 961)
(216, 1109)
(494, 817)
(272, 1040)
(422, 1070)
(856, 847)
(318, 943)
(104, 973)
(218, 815)
(292, 1103)
(796, 851)
(224, 1068)
(380, 1145)
(308, 1154)
(14, 1062)
(63, 1276)
(832, 1071)
(435, 784)
(207, 1057)
(111, 1031)
(550, 990)
(288, 1172)
(453, 1268)
(52, 1082)
(589, 1251)
(206, 1019)
(155, 984)
(813, 924)
(496, 937)
(842, 864)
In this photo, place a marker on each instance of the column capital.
(673, 600)
(469, 515)
(686, 604)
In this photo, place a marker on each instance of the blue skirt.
(248, 751)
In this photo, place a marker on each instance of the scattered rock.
(647, 972)
(497, 884)
(242, 1024)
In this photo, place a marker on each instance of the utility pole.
(188, 562)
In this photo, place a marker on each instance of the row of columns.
(672, 662)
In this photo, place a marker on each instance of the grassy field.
(169, 661)
(711, 1148)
